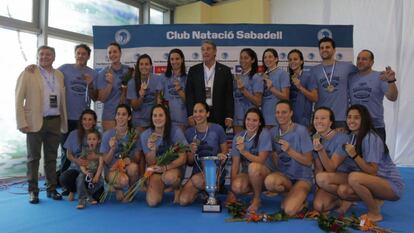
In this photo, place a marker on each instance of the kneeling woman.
(292, 148)
(379, 178)
(207, 139)
(155, 141)
(251, 148)
(112, 147)
(332, 164)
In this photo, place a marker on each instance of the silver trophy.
(211, 176)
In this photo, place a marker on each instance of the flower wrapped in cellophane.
(170, 155)
(119, 166)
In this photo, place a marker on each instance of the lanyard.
(287, 131)
(196, 135)
(330, 131)
(251, 138)
(147, 81)
(246, 73)
(47, 77)
(329, 80)
(207, 81)
(86, 93)
(87, 99)
(270, 71)
(353, 139)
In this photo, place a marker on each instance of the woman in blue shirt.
(332, 164)
(143, 92)
(74, 144)
(303, 89)
(379, 178)
(247, 88)
(292, 154)
(173, 83)
(250, 158)
(155, 141)
(207, 139)
(112, 146)
(109, 85)
(276, 85)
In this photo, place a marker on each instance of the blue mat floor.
(17, 215)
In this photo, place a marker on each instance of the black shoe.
(65, 192)
(34, 198)
(54, 195)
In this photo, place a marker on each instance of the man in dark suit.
(211, 82)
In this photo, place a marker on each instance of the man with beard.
(332, 80)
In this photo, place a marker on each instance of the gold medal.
(277, 138)
(239, 140)
(330, 88)
(197, 141)
(316, 136)
(144, 85)
(153, 137)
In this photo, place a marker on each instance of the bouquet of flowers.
(119, 165)
(170, 155)
(124, 84)
(239, 213)
(163, 100)
(127, 76)
(341, 224)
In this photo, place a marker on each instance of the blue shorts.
(397, 187)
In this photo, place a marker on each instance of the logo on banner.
(311, 56)
(282, 56)
(324, 32)
(122, 36)
(339, 56)
(195, 55)
(224, 55)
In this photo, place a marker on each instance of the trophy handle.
(196, 159)
(221, 166)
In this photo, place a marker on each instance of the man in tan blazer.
(41, 115)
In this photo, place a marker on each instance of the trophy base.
(208, 208)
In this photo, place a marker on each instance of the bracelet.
(355, 157)
(392, 81)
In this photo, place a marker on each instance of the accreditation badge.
(208, 93)
(53, 103)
